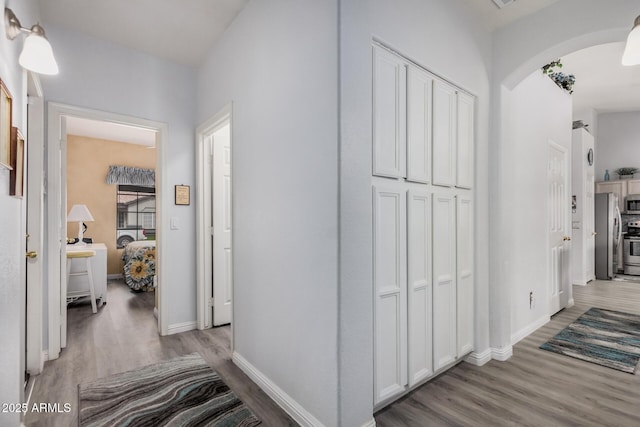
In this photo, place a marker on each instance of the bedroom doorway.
(59, 115)
(214, 221)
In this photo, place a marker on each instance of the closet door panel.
(465, 277)
(464, 146)
(444, 133)
(444, 280)
(419, 95)
(389, 114)
(389, 207)
(419, 286)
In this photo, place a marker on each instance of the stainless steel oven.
(631, 249)
(632, 204)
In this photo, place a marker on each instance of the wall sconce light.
(37, 54)
(631, 55)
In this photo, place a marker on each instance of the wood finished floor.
(123, 336)
(534, 387)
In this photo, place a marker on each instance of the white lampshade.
(631, 55)
(37, 54)
(79, 213)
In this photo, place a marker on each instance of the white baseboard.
(370, 423)
(286, 402)
(524, 332)
(44, 358)
(479, 359)
(115, 276)
(176, 328)
(502, 354)
(571, 303)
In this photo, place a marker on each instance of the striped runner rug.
(608, 338)
(183, 391)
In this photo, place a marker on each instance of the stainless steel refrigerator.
(608, 233)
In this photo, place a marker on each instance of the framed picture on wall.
(182, 195)
(16, 175)
(5, 126)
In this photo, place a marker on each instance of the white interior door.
(559, 240)
(222, 273)
(590, 229)
(35, 226)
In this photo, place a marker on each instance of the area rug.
(183, 391)
(608, 338)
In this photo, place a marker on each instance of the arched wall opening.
(519, 50)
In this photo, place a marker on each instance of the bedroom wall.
(104, 76)
(277, 63)
(441, 36)
(12, 229)
(88, 161)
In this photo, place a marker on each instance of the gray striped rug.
(183, 391)
(608, 338)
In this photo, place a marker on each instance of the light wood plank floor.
(534, 387)
(123, 336)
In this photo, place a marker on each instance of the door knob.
(594, 233)
(565, 238)
(31, 254)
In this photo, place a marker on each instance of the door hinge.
(211, 231)
(211, 302)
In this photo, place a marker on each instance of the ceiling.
(602, 82)
(182, 31)
(111, 131)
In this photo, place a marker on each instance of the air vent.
(503, 3)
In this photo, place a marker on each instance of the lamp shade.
(631, 55)
(37, 54)
(79, 213)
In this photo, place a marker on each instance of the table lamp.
(81, 214)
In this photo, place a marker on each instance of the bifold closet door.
(465, 278)
(390, 282)
(419, 95)
(444, 280)
(389, 114)
(444, 133)
(464, 140)
(420, 298)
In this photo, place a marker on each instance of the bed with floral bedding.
(140, 265)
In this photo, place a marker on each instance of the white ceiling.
(184, 31)
(179, 30)
(492, 17)
(111, 131)
(602, 82)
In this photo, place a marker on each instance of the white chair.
(90, 292)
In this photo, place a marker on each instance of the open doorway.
(58, 137)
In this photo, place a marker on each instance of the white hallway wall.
(617, 143)
(277, 63)
(103, 76)
(541, 112)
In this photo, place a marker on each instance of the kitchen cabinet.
(618, 187)
(582, 218)
(423, 249)
(633, 186)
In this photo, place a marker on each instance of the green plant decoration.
(564, 81)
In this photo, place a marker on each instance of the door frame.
(35, 223)
(56, 270)
(204, 248)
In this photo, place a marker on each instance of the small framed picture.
(16, 175)
(5, 126)
(182, 195)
